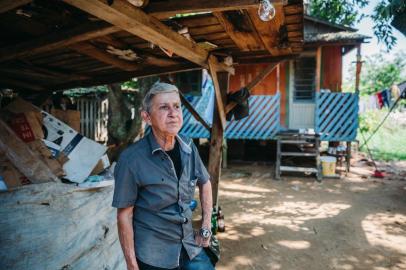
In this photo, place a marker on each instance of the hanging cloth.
(241, 110)
(380, 100)
(386, 97)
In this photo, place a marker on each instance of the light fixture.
(266, 11)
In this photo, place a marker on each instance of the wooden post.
(278, 77)
(318, 68)
(348, 157)
(216, 140)
(358, 68)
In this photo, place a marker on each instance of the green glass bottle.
(214, 225)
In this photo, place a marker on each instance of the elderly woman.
(155, 183)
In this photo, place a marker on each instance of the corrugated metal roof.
(262, 123)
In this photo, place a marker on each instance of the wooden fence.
(93, 118)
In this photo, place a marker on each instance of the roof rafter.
(167, 9)
(6, 5)
(56, 40)
(134, 20)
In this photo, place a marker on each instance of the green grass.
(389, 142)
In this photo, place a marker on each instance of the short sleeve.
(200, 170)
(125, 187)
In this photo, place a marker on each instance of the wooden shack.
(49, 46)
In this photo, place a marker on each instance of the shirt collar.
(186, 147)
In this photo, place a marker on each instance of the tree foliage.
(338, 11)
(387, 15)
(378, 74)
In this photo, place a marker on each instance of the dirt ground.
(357, 222)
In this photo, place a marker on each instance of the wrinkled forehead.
(166, 98)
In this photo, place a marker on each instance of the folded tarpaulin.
(59, 226)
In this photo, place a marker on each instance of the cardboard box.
(69, 117)
(11, 176)
(103, 164)
(24, 119)
(83, 153)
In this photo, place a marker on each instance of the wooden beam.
(245, 41)
(56, 40)
(147, 58)
(7, 5)
(192, 110)
(318, 68)
(265, 72)
(129, 18)
(216, 139)
(219, 100)
(105, 57)
(166, 9)
(124, 76)
(358, 69)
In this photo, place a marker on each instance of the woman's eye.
(165, 107)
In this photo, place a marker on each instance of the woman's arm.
(126, 236)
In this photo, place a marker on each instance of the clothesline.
(377, 101)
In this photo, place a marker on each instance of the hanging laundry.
(386, 97)
(241, 110)
(362, 106)
(373, 102)
(395, 92)
(380, 100)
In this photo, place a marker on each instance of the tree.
(387, 14)
(378, 74)
(338, 11)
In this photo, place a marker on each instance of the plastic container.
(328, 165)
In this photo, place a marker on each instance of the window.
(305, 79)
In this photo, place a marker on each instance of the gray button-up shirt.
(145, 178)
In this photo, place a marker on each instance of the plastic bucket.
(328, 165)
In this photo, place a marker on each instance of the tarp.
(59, 226)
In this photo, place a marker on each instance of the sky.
(365, 27)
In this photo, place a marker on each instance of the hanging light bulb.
(266, 11)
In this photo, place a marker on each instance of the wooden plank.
(298, 154)
(96, 53)
(23, 158)
(56, 40)
(268, 31)
(216, 139)
(298, 169)
(113, 77)
(293, 9)
(7, 5)
(137, 22)
(246, 41)
(254, 82)
(192, 110)
(147, 58)
(318, 68)
(205, 30)
(166, 9)
(358, 68)
(219, 100)
(197, 20)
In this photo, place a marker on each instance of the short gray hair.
(157, 88)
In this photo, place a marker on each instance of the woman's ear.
(145, 116)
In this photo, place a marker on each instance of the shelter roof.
(335, 37)
(55, 45)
